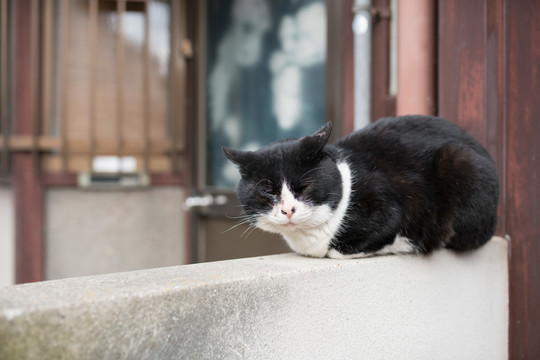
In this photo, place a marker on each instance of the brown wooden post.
(27, 184)
(382, 103)
(339, 49)
(523, 175)
(348, 67)
(489, 83)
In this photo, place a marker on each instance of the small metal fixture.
(111, 181)
(204, 201)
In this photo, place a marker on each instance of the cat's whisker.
(242, 216)
(244, 219)
(253, 228)
(307, 172)
(235, 226)
(249, 230)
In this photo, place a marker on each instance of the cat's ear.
(238, 157)
(316, 141)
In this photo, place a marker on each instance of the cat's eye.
(303, 187)
(265, 189)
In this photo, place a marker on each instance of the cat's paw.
(334, 254)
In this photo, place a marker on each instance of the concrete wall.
(7, 237)
(97, 232)
(444, 306)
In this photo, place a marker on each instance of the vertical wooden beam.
(523, 176)
(35, 52)
(93, 34)
(47, 65)
(64, 67)
(174, 111)
(471, 76)
(4, 84)
(27, 184)
(495, 96)
(347, 74)
(461, 65)
(382, 104)
(146, 86)
(177, 94)
(120, 65)
(489, 81)
(335, 52)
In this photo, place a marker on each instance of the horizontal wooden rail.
(21, 143)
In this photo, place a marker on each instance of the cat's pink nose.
(289, 213)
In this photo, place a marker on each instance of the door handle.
(204, 201)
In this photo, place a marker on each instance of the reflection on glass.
(265, 76)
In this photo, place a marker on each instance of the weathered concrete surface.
(444, 306)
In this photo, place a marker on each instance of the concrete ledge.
(445, 306)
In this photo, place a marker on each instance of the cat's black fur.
(420, 177)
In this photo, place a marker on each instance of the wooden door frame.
(338, 70)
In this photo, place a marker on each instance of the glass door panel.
(264, 76)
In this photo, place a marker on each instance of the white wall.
(97, 232)
(7, 237)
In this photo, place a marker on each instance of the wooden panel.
(471, 68)
(495, 97)
(461, 65)
(523, 177)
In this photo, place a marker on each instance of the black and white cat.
(408, 184)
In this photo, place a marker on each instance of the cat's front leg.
(400, 245)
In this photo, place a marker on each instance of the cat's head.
(290, 184)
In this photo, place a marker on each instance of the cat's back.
(412, 135)
(441, 182)
(410, 127)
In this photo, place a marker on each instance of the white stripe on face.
(287, 205)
